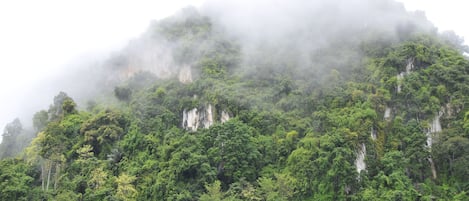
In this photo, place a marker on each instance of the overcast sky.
(445, 14)
(38, 38)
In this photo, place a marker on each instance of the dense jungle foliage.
(377, 118)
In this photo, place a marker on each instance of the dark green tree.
(17, 180)
(123, 93)
(232, 150)
(103, 130)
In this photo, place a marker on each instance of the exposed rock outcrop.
(400, 77)
(360, 160)
(434, 127)
(373, 134)
(190, 119)
(206, 117)
(194, 119)
(408, 69)
(410, 65)
(185, 74)
(387, 113)
(145, 55)
(224, 116)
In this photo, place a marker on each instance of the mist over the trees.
(254, 100)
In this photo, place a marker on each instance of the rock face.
(224, 116)
(373, 134)
(448, 109)
(185, 74)
(435, 126)
(360, 160)
(408, 69)
(144, 55)
(387, 113)
(410, 65)
(194, 118)
(148, 55)
(400, 77)
(190, 120)
(206, 117)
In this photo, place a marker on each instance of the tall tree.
(40, 120)
(232, 149)
(9, 146)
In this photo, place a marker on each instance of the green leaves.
(16, 180)
(299, 119)
(104, 129)
(232, 150)
(213, 192)
(322, 166)
(125, 188)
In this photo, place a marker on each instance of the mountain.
(297, 100)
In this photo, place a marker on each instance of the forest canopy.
(336, 104)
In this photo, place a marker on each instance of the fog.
(44, 42)
(300, 28)
(51, 46)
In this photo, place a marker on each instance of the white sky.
(38, 37)
(445, 14)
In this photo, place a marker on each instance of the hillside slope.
(335, 104)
